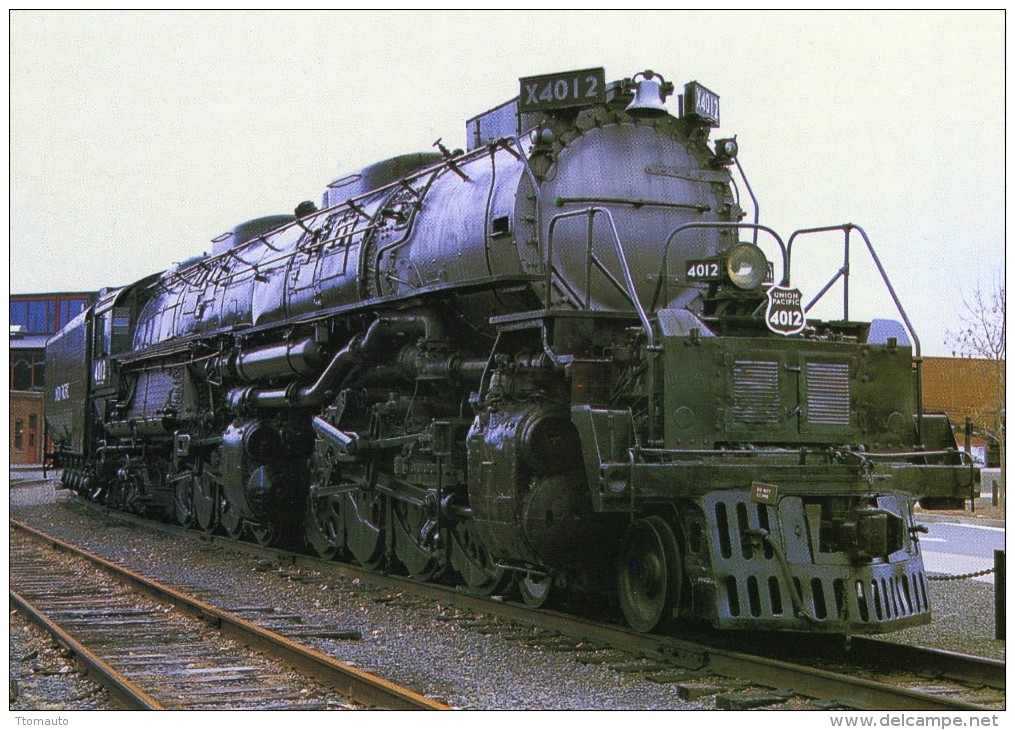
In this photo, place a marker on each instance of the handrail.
(796, 454)
(414, 175)
(630, 292)
(664, 266)
(844, 273)
(754, 200)
(528, 170)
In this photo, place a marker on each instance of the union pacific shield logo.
(785, 312)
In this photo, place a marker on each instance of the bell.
(648, 99)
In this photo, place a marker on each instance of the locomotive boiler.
(558, 360)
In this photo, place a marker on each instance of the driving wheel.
(266, 534)
(231, 522)
(205, 502)
(470, 558)
(364, 527)
(183, 501)
(416, 540)
(324, 526)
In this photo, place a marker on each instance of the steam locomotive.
(556, 360)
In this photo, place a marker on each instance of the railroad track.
(155, 647)
(865, 676)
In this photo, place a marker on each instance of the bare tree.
(982, 336)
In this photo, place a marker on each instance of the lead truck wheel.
(650, 574)
(536, 590)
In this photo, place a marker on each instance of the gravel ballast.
(43, 676)
(438, 651)
(466, 661)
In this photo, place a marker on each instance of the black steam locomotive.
(559, 358)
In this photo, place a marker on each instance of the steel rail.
(343, 678)
(123, 691)
(804, 680)
(950, 664)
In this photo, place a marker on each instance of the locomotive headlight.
(746, 266)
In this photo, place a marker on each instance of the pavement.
(20, 472)
(952, 549)
(971, 519)
(963, 543)
(983, 505)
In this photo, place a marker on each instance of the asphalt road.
(957, 549)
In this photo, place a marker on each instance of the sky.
(137, 137)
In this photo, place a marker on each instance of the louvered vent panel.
(828, 393)
(756, 391)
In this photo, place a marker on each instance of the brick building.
(33, 318)
(963, 387)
